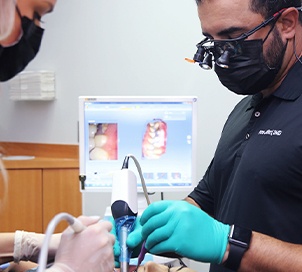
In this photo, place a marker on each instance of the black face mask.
(239, 63)
(247, 72)
(13, 59)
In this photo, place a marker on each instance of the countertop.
(41, 155)
(41, 162)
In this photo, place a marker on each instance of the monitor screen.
(159, 131)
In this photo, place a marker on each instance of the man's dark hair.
(268, 7)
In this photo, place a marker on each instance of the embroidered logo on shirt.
(270, 132)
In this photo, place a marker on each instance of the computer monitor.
(159, 131)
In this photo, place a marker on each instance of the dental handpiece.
(124, 211)
(124, 225)
(124, 257)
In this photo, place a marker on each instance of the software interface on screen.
(159, 132)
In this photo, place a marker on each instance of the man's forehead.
(219, 15)
(223, 3)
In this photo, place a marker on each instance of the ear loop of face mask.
(295, 51)
(4, 175)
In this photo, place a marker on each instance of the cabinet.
(22, 209)
(35, 196)
(61, 193)
(39, 189)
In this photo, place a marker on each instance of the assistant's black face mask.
(13, 59)
(247, 72)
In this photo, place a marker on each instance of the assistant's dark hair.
(268, 7)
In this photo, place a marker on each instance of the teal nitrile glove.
(134, 241)
(180, 227)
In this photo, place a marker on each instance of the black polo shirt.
(255, 177)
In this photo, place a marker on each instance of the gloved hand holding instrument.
(182, 228)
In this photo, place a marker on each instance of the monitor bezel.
(169, 98)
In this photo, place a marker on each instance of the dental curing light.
(124, 210)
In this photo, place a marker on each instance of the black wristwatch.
(239, 240)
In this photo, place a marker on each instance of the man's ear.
(288, 23)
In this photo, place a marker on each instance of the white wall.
(102, 47)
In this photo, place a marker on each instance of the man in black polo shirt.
(246, 212)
